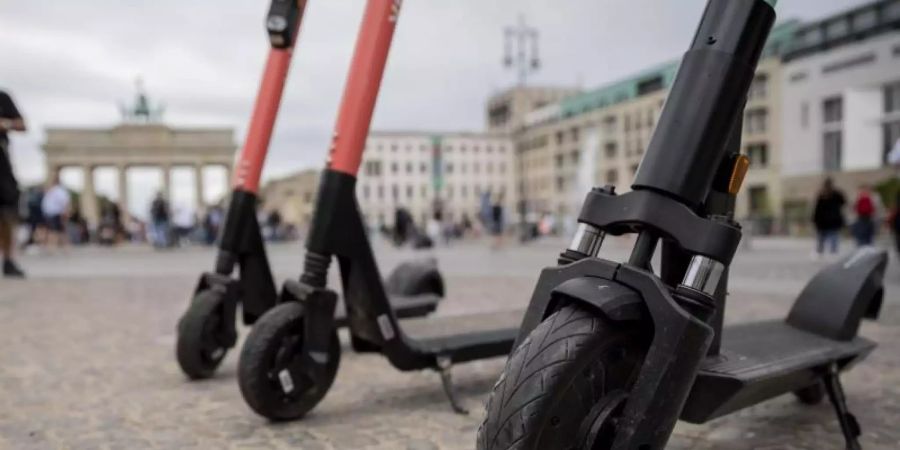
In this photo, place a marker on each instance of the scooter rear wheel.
(274, 342)
(199, 349)
(571, 362)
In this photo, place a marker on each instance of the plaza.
(88, 358)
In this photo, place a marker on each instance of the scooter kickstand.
(444, 363)
(849, 425)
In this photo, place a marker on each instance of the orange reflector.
(741, 164)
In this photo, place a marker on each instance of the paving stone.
(88, 362)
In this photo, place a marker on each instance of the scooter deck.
(763, 360)
(403, 306)
(465, 337)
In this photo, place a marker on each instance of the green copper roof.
(623, 90)
(619, 91)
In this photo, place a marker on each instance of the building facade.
(610, 128)
(841, 103)
(506, 110)
(292, 196)
(425, 172)
(422, 172)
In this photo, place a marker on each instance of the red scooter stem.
(363, 83)
(268, 100)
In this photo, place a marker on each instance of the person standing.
(159, 215)
(864, 228)
(55, 207)
(497, 220)
(10, 120)
(828, 217)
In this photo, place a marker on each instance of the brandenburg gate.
(141, 141)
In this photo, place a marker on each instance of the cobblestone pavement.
(87, 361)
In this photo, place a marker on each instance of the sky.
(71, 63)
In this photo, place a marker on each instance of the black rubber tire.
(197, 348)
(553, 379)
(811, 395)
(415, 278)
(259, 384)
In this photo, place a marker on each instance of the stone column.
(229, 173)
(198, 185)
(89, 198)
(123, 191)
(167, 182)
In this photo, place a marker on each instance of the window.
(574, 156)
(833, 110)
(394, 147)
(424, 191)
(759, 200)
(463, 167)
(560, 160)
(380, 192)
(409, 167)
(560, 184)
(423, 168)
(366, 192)
(892, 98)
(756, 121)
(891, 137)
(409, 192)
(464, 191)
(394, 168)
(759, 86)
(758, 155)
(609, 124)
(449, 192)
(559, 137)
(612, 176)
(373, 168)
(490, 167)
(476, 168)
(627, 123)
(574, 134)
(502, 167)
(395, 192)
(448, 167)
(832, 151)
(611, 150)
(850, 62)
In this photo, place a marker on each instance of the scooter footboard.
(836, 300)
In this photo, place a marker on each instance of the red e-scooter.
(207, 329)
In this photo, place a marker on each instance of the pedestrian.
(183, 221)
(34, 217)
(159, 215)
(864, 228)
(497, 220)
(55, 208)
(10, 120)
(828, 217)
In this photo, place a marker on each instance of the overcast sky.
(70, 62)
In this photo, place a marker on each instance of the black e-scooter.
(290, 357)
(611, 355)
(207, 329)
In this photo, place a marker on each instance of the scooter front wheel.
(274, 379)
(573, 362)
(199, 347)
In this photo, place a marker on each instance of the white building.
(424, 172)
(841, 102)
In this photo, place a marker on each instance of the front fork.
(681, 335)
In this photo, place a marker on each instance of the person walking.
(55, 207)
(864, 228)
(10, 120)
(828, 217)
